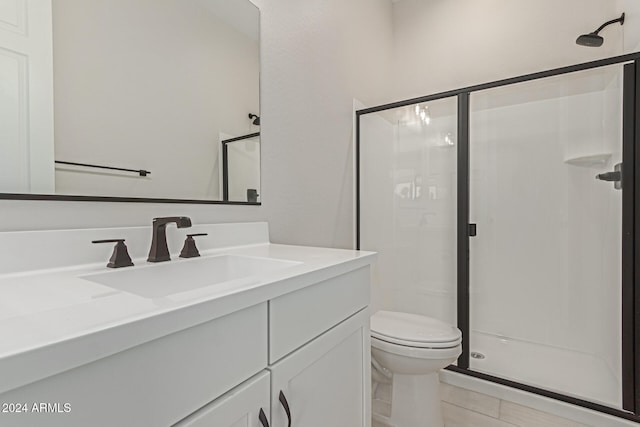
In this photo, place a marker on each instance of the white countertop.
(52, 320)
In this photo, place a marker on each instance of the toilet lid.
(414, 330)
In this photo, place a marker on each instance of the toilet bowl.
(413, 349)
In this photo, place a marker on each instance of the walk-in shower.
(511, 212)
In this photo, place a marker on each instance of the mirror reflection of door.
(26, 128)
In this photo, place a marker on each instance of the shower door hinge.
(472, 230)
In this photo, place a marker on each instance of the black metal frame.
(225, 162)
(630, 213)
(504, 82)
(630, 392)
(74, 198)
(633, 304)
(463, 227)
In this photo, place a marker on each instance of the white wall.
(141, 85)
(321, 55)
(317, 55)
(631, 32)
(444, 44)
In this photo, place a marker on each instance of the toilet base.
(415, 401)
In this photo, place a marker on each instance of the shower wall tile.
(527, 417)
(471, 400)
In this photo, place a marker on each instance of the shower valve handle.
(609, 176)
(614, 176)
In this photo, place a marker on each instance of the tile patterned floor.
(464, 408)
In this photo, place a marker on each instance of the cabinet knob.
(263, 418)
(285, 405)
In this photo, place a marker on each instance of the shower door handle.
(615, 176)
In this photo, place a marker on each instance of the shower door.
(407, 196)
(545, 245)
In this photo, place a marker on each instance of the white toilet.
(414, 348)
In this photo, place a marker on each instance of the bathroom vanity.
(279, 338)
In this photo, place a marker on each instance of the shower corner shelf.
(592, 161)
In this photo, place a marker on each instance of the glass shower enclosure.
(509, 209)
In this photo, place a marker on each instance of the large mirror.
(133, 99)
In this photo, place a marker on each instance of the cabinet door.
(326, 382)
(244, 406)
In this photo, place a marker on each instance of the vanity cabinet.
(309, 345)
(319, 352)
(245, 406)
(326, 382)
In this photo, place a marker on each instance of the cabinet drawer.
(154, 384)
(298, 317)
(239, 407)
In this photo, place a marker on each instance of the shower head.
(256, 118)
(595, 40)
(591, 40)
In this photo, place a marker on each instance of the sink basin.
(159, 280)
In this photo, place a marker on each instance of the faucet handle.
(120, 256)
(189, 249)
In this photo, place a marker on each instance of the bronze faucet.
(159, 251)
